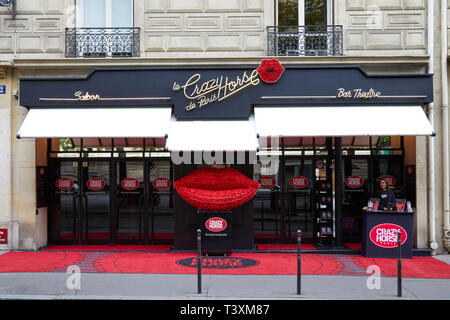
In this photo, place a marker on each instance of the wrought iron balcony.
(304, 41)
(102, 42)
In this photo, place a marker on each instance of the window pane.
(315, 12)
(94, 13)
(121, 13)
(288, 12)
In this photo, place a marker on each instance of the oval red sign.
(95, 184)
(64, 183)
(161, 183)
(270, 70)
(216, 224)
(385, 235)
(299, 182)
(267, 182)
(354, 181)
(391, 181)
(129, 184)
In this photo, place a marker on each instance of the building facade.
(76, 39)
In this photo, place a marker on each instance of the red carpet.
(101, 248)
(353, 245)
(263, 263)
(284, 246)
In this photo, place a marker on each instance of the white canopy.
(342, 121)
(210, 135)
(95, 122)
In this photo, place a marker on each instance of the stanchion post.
(299, 262)
(199, 261)
(399, 264)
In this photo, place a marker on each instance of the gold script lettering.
(216, 89)
(86, 96)
(358, 94)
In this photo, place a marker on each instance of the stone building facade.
(383, 37)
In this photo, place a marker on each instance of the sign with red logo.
(299, 182)
(218, 262)
(95, 184)
(320, 164)
(354, 182)
(3, 236)
(161, 183)
(390, 180)
(270, 70)
(64, 183)
(267, 182)
(385, 235)
(216, 224)
(129, 184)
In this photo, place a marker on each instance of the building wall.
(386, 27)
(5, 154)
(235, 28)
(389, 35)
(203, 27)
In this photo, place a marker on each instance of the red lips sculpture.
(216, 189)
(270, 70)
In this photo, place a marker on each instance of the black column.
(338, 190)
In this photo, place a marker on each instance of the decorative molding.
(2, 72)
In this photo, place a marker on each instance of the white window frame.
(301, 12)
(79, 14)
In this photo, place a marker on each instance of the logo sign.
(216, 224)
(95, 184)
(299, 182)
(201, 92)
(129, 184)
(267, 182)
(3, 236)
(354, 182)
(64, 184)
(320, 164)
(385, 235)
(391, 181)
(270, 70)
(161, 183)
(219, 262)
(2, 89)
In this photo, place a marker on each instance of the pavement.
(182, 287)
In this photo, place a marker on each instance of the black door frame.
(147, 230)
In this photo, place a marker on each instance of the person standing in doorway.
(386, 195)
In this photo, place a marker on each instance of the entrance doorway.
(301, 195)
(110, 200)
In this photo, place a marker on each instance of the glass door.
(64, 201)
(299, 209)
(129, 201)
(356, 193)
(160, 197)
(267, 204)
(95, 209)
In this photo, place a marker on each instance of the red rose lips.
(216, 189)
(270, 70)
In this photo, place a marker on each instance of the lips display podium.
(216, 227)
(379, 239)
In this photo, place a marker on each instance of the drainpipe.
(431, 178)
(445, 163)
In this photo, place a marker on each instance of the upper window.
(303, 12)
(104, 13)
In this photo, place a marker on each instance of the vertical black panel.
(338, 190)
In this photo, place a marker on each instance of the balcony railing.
(102, 42)
(304, 41)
